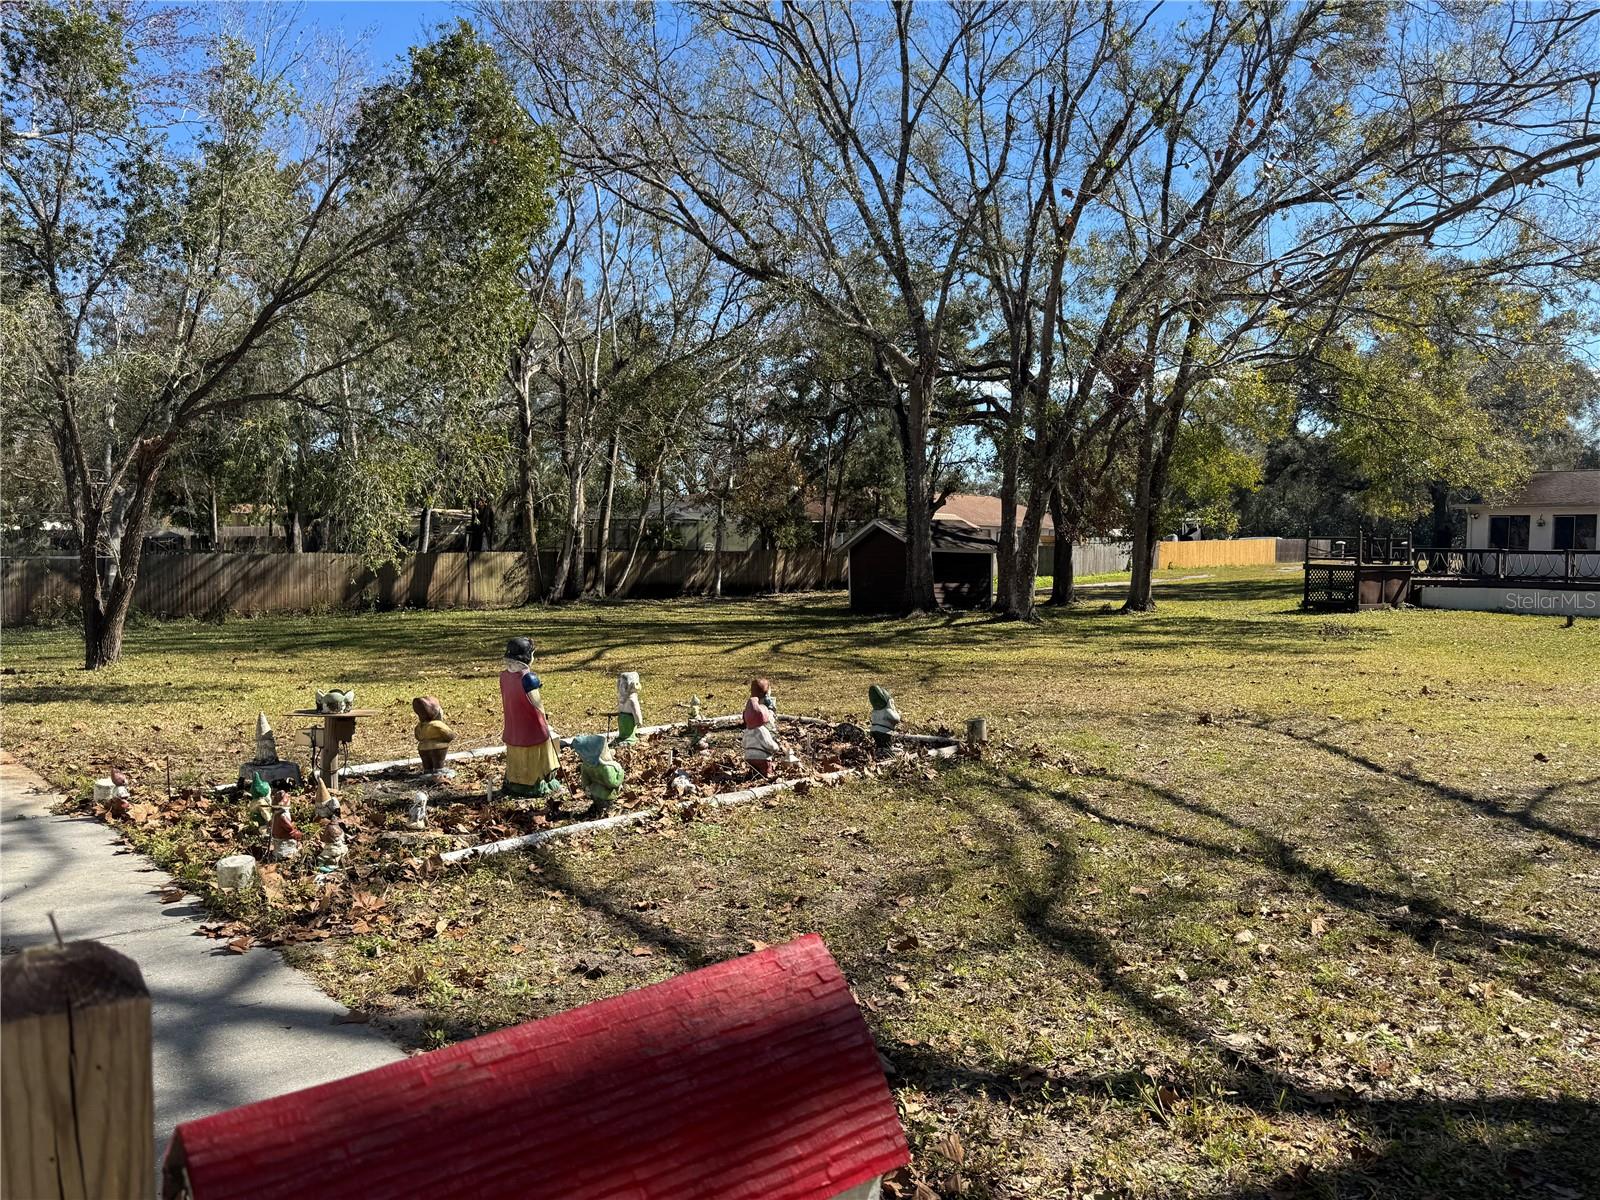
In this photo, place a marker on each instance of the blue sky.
(389, 27)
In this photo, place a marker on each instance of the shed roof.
(945, 537)
(1553, 489)
(755, 1077)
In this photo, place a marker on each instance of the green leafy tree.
(164, 283)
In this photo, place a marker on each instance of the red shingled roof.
(752, 1078)
(981, 511)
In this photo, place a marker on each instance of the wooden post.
(76, 1103)
(977, 731)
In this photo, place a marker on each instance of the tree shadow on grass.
(1528, 816)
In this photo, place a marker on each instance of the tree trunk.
(603, 535)
(425, 531)
(1139, 592)
(568, 581)
(1062, 588)
(527, 501)
(919, 595)
(638, 532)
(722, 532)
(1010, 478)
(216, 528)
(105, 613)
(1155, 468)
(1027, 555)
(294, 533)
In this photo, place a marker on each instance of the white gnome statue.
(417, 813)
(630, 713)
(266, 743)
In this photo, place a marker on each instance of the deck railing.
(1357, 548)
(1543, 566)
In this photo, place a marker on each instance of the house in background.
(1536, 552)
(981, 514)
(1556, 510)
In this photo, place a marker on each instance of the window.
(1508, 533)
(1575, 532)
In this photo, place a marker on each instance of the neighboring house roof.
(945, 537)
(1554, 489)
(753, 1077)
(980, 511)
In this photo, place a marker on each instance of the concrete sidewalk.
(228, 1028)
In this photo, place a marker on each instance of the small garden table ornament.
(885, 717)
(602, 774)
(532, 758)
(760, 743)
(432, 734)
(338, 712)
(630, 713)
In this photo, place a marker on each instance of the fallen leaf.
(1243, 938)
(899, 945)
(899, 985)
(240, 944)
(641, 952)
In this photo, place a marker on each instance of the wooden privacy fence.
(1243, 552)
(209, 584)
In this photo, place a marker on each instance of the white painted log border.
(939, 747)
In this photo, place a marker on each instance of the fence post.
(76, 1104)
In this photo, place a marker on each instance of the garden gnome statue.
(760, 743)
(433, 735)
(327, 806)
(698, 729)
(532, 758)
(333, 847)
(417, 813)
(630, 714)
(266, 743)
(285, 837)
(602, 774)
(885, 716)
(266, 763)
(261, 800)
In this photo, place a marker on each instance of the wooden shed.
(963, 567)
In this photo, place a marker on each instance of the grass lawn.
(1243, 902)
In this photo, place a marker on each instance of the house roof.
(980, 511)
(755, 1077)
(945, 537)
(1554, 489)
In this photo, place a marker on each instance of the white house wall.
(1539, 537)
(1549, 602)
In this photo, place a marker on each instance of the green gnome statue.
(602, 775)
(885, 717)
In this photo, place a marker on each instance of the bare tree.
(793, 142)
